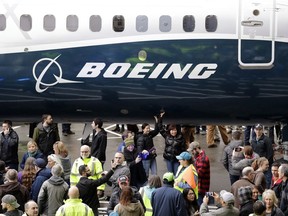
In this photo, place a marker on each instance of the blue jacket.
(43, 175)
(168, 201)
(26, 155)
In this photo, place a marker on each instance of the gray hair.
(57, 170)
(247, 170)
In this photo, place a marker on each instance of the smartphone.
(238, 149)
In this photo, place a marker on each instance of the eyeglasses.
(190, 194)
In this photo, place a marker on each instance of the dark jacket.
(263, 147)
(246, 208)
(16, 189)
(38, 154)
(173, 145)
(99, 144)
(9, 147)
(115, 198)
(145, 141)
(138, 176)
(46, 139)
(88, 190)
(168, 201)
(41, 176)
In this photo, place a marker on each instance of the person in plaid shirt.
(202, 166)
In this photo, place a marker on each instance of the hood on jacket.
(132, 207)
(55, 180)
(11, 187)
(148, 191)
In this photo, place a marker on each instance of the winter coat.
(38, 154)
(51, 195)
(88, 190)
(174, 146)
(16, 189)
(263, 147)
(9, 147)
(41, 176)
(115, 197)
(132, 209)
(99, 144)
(227, 157)
(46, 139)
(168, 201)
(137, 173)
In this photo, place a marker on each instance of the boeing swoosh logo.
(42, 86)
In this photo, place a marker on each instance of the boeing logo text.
(147, 70)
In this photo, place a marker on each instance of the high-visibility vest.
(188, 176)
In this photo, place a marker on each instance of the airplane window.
(211, 23)
(95, 23)
(72, 23)
(165, 23)
(118, 23)
(26, 22)
(188, 23)
(141, 23)
(49, 23)
(2, 22)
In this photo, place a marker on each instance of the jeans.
(172, 166)
(247, 134)
(150, 164)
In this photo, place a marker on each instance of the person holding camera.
(134, 161)
(225, 201)
(234, 145)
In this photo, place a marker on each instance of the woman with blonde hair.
(260, 166)
(27, 175)
(61, 151)
(32, 151)
(270, 200)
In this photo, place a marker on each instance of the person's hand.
(216, 197)
(113, 164)
(206, 200)
(138, 159)
(196, 213)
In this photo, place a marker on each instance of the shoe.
(212, 145)
(116, 129)
(216, 140)
(70, 132)
(65, 134)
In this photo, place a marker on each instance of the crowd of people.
(50, 183)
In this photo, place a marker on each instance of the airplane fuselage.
(198, 60)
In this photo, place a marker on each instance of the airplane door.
(256, 33)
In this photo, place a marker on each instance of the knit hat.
(128, 142)
(227, 197)
(11, 200)
(168, 176)
(245, 194)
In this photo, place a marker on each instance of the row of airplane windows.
(95, 23)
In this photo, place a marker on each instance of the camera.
(209, 194)
(238, 149)
(143, 156)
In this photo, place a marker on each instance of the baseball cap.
(11, 200)
(227, 196)
(259, 126)
(122, 179)
(39, 162)
(184, 156)
(169, 176)
(193, 145)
